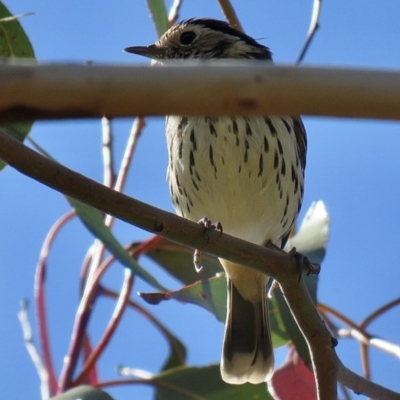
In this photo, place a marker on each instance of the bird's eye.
(187, 37)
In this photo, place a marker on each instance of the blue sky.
(353, 165)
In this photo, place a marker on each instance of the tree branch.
(318, 338)
(363, 386)
(275, 263)
(253, 88)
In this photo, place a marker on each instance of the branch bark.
(275, 263)
(252, 88)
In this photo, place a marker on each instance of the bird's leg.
(304, 265)
(208, 226)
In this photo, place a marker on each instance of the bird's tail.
(247, 354)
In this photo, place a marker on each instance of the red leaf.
(293, 380)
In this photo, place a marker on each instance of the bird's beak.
(151, 51)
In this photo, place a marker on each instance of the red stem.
(145, 246)
(40, 300)
(93, 378)
(111, 327)
(79, 331)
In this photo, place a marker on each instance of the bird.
(247, 172)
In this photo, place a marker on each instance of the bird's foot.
(208, 227)
(303, 264)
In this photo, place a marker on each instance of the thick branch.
(274, 263)
(319, 340)
(254, 88)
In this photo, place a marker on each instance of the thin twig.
(377, 313)
(341, 317)
(314, 25)
(98, 248)
(130, 148)
(363, 386)
(32, 351)
(173, 14)
(359, 333)
(96, 251)
(82, 317)
(107, 147)
(367, 339)
(364, 347)
(18, 16)
(111, 327)
(87, 349)
(85, 268)
(365, 360)
(145, 246)
(40, 299)
(230, 14)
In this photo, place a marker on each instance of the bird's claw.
(208, 226)
(304, 265)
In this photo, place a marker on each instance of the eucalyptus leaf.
(312, 237)
(186, 383)
(158, 13)
(93, 221)
(83, 392)
(14, 43)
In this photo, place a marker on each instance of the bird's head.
(203, 38)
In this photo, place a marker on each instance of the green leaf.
(177, 356)
(14, 44)
(292, 329)
(203, 383)
(312, 237)
(13, 40)
(207, 293)
(93, 221)
(177, 260)
(83, 392)
(210, 294)
(279, 335)
(158, 13)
